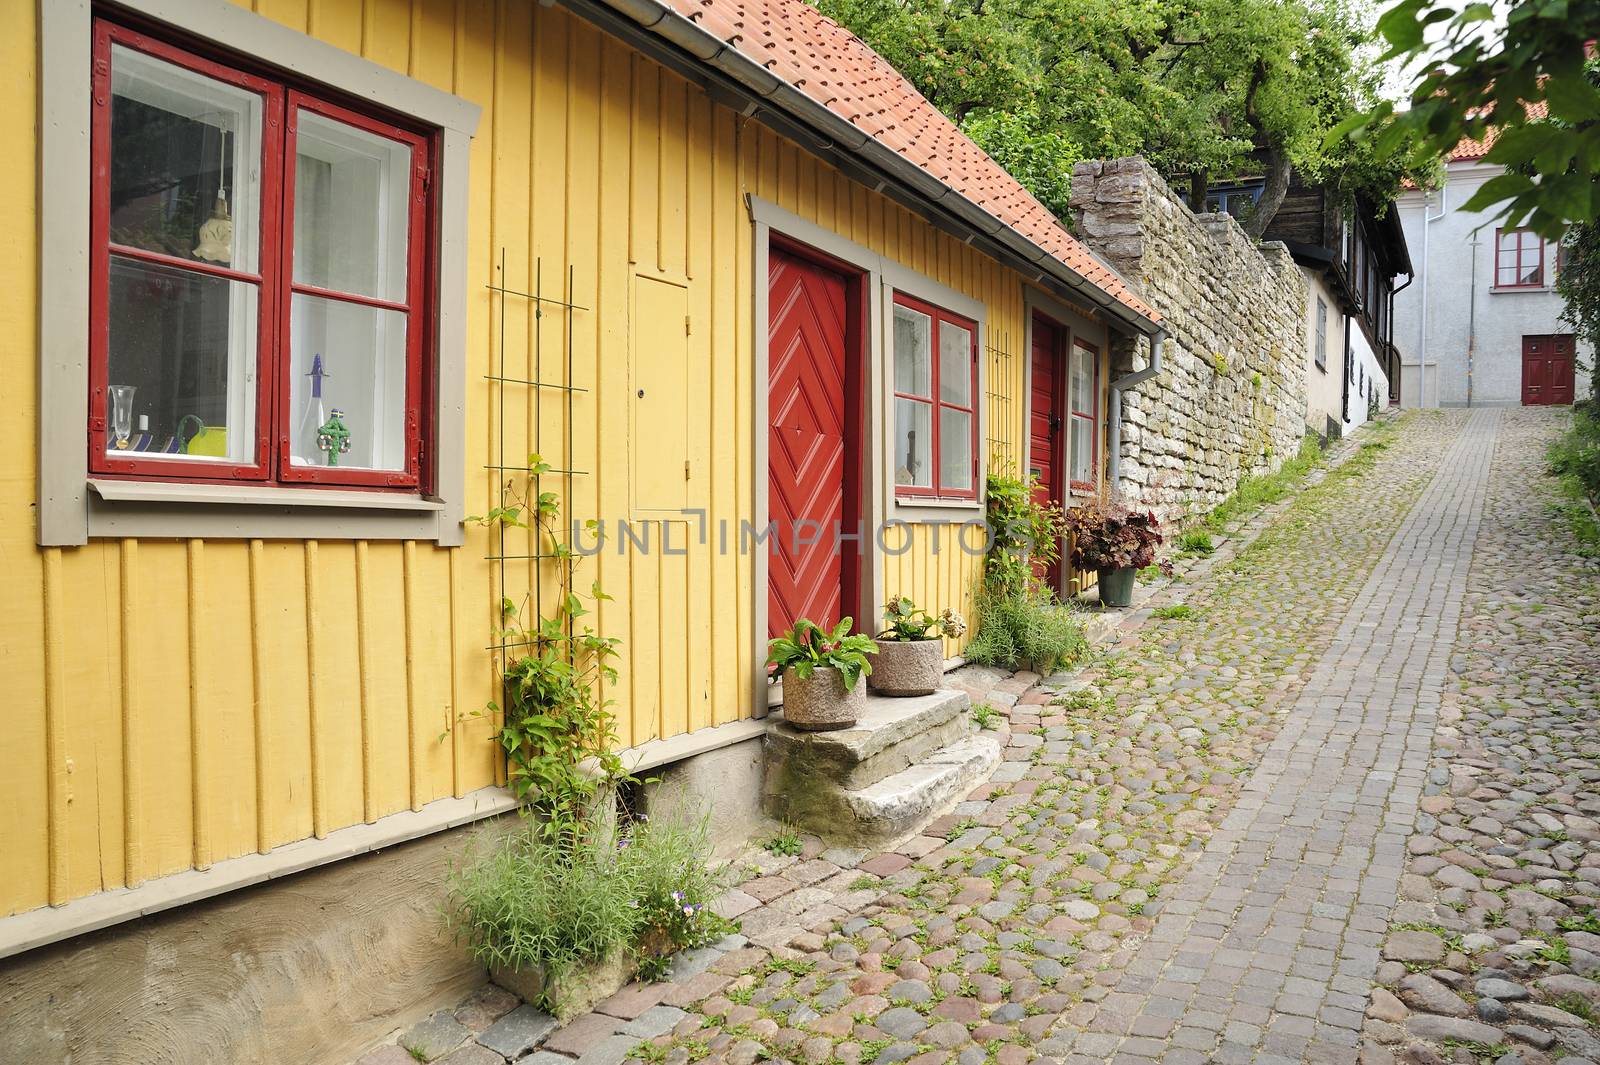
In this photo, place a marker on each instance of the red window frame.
(1091, 414)
(282, 102)
(1523, 238)
(936, 403)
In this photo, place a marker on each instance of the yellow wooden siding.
(175, 704)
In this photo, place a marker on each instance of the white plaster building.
(1483, 310)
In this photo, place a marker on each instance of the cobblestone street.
(1332, 798)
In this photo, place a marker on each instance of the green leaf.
(1402, 25)
(1572, 98)
(1497, 190)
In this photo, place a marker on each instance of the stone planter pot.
(1116, 586)
(819, 702)
(574, 992)
(907, 667)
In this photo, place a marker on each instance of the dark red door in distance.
(1549, 369)
(808, 309)
(1046, 380)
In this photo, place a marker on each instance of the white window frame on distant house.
(1321, 352)
(76, 505)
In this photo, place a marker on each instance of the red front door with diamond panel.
(1046, 381)
(808, 411)
(1549, 369)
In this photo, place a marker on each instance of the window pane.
(351, 358)
(955, 449)
(1082, 379)
(1082, 451)
(913, 443)
(185, 162)
(351, 192)
(955, 364)
(182, 364)
(1532, 271)
(913, 352)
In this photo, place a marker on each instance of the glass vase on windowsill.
(121, 415)
(314, 416)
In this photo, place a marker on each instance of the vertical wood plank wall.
(175, 704)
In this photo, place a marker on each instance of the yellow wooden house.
(292, 282)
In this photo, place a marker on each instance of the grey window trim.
(69, 512)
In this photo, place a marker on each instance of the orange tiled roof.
(1470, 150)
(828, 63)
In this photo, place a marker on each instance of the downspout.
(1399, 364)
(1472, 312)
(1114, 430)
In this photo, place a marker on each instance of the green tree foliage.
(1579, 284)
(1204, 89)
(1479, 76)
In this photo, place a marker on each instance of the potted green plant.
(1116, 542)
(910, 652)
(824, 674)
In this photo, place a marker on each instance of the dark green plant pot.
(1116, 586)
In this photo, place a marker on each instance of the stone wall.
(1231, 398)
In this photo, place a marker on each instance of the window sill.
(1501, 289)
(923, 510)
(118, 508)
(254, 495)
(933, 501)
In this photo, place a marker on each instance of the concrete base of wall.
(723, 786)
(313, 969)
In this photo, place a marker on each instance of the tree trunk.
(1199, 185)
(1277, 183)
(1277, 186)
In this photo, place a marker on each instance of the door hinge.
(685, 469)
(688, 325)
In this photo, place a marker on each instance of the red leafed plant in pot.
(1116, 542)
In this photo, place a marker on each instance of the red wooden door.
(1047, 379)
(808, 309)
(1549, 369)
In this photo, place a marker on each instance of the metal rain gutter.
(1114, 401)
(763, 85)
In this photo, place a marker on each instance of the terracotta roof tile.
(1469, 150)
(828, 63)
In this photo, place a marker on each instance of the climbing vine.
(556, 725)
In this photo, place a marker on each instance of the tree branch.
(1278, 168)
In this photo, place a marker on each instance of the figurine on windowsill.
(333, 437)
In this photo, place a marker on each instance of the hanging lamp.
(216, 232)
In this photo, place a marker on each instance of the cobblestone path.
(1268, 948)
(1196, 846)
(1494, 948)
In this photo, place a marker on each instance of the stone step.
(892, 735)
(888, 808)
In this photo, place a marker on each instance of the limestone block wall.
(1231, 400)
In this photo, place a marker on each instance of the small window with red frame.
(935, 402)
(1518, 259)
(259, 277)
(1084, 402)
